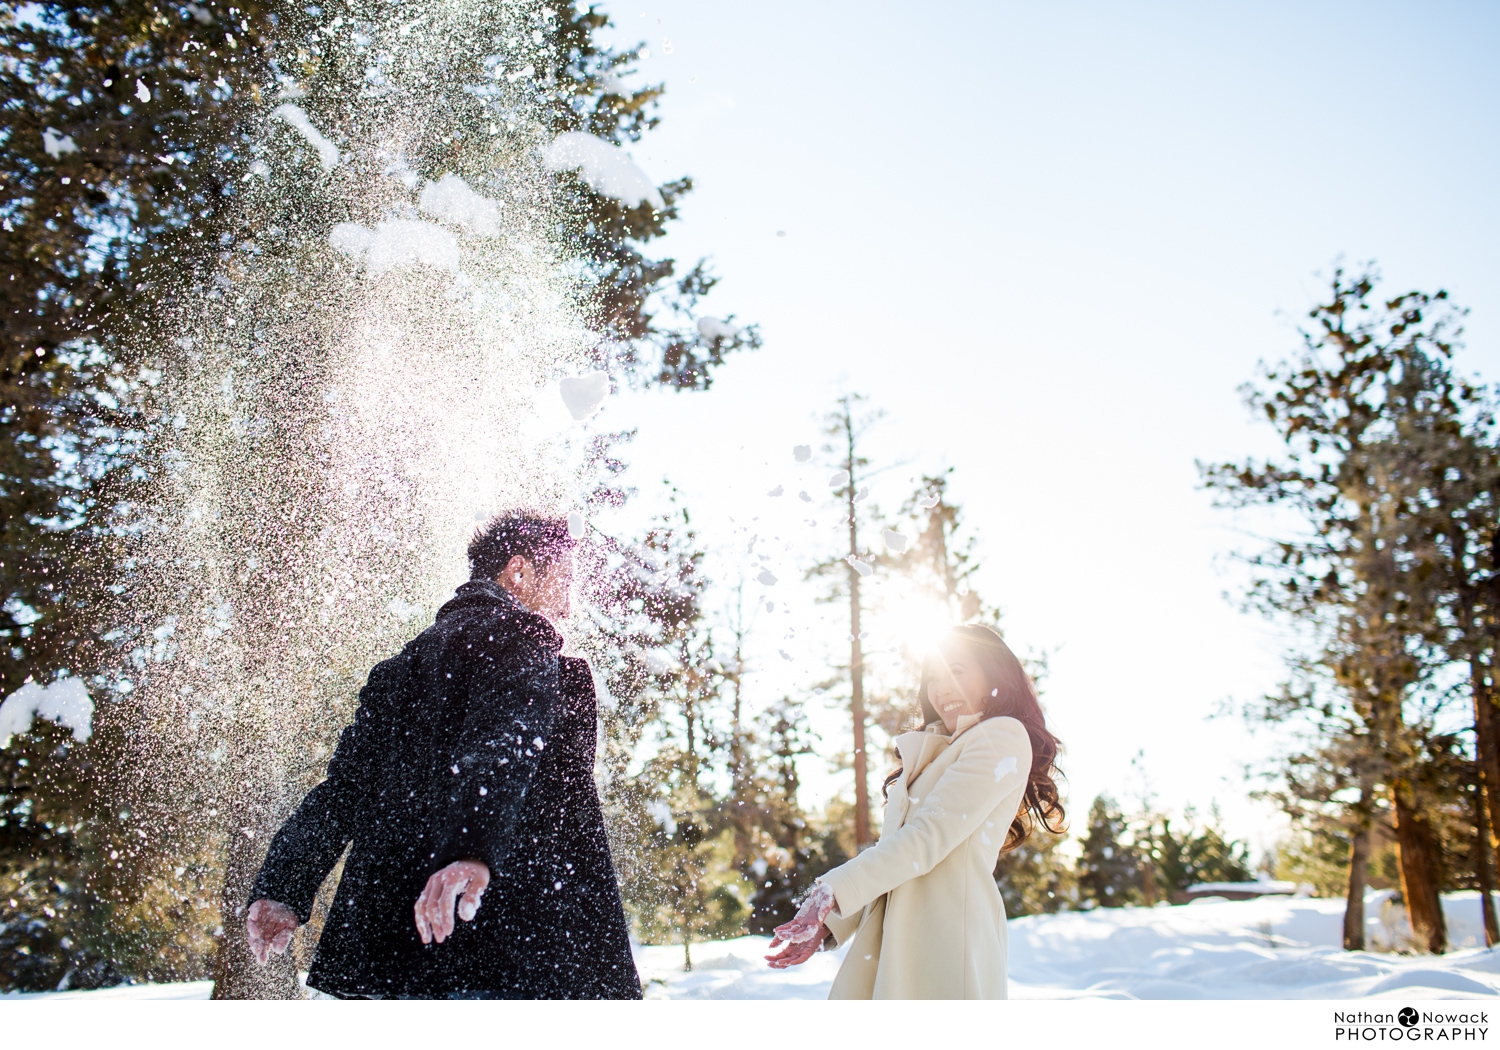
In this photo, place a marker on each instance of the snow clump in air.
(861, 567)
(296, 117)
(397, 244)
(767, 578)
(142, 92)
(403, 610)
(659, 661)
(804, 497)
(713, 328)
(894, 540)
(611, 84)
(56, 143)
(585, 394)
(802, 453)
(451, 199)
(604, 166)
(777, 491)
(577, 528)
(66, 702)
(839, 479)
(864, 494)
(927, 502)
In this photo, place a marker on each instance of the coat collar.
(490, 595)
(919, 747)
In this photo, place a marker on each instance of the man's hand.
(463, 883)
(270, 926)
(806, 932)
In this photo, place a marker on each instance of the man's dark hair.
(538, 539)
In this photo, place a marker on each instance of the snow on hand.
(451, 199)
(296, 117)
(397, 244)
(604, 166)
(585, 394)
(56, 143)
(713, 328)
(66, 702)
(894, 540)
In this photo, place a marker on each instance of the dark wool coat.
(476, 741)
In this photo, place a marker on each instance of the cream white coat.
(921, 904)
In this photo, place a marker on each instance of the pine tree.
(1109, 866)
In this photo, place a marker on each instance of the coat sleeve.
(514, 700)
(991, 771)
(308, 845)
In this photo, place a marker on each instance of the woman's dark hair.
(1011, 693)
(538, 539)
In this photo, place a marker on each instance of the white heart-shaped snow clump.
(452, 200)
(894, 540)
(604, 166)
(584, 395)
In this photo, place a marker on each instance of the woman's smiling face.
(955, 685)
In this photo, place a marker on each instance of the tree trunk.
(1486, 742)
(1483, 857)
(235, 972)
(1417, 849)
(1359, 863)
(862, 836)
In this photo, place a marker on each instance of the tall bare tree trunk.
(862, 836)
(1359, 864)
(1417, 849)
(1486, 741)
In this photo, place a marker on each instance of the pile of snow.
(66, 702)
(296, 117)
(604, 166)
(1270, 948)
(452, 200)
(584, 395)
(397, 244)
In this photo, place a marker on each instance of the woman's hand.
(461, 883)
(804, 935)
(270, 926)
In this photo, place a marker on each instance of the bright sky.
(1050, 240)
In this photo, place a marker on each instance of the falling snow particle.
(927, 502)
(56, 143)
(65, 702)
(864, 494)
(784, 654)
(765, 577)
(863, 568)
(604, 166)
(452, 200)
(802, 453)
(777, 491)
(296, 117)
(713, 328)
(396, 244)
(894, 540)
(804, 497)
(142, 92)
(839, 479)
(577, 528)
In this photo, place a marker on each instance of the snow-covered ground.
(1271, 948)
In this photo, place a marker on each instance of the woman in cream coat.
(921, 905)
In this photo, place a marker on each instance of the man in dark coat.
(466, 782)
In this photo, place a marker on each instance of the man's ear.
(514, 568)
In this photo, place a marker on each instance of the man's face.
(547, 591)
